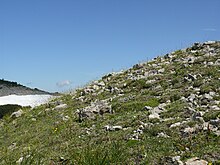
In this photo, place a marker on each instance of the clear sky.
(56, 45)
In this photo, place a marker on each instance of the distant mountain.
(13, 88)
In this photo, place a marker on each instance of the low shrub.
(8, 109)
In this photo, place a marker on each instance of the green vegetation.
(8, 83)
(185, 96)
(212, 115)
(8, 109)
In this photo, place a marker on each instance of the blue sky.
(56, 45)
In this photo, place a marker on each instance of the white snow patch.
(25, 100)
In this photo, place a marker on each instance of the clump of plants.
(8, 109)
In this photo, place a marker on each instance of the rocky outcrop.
(17, 114)
(196, 161)
(179, 84)
(97, 107)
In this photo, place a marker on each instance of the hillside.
(164, 111)
(13, 88)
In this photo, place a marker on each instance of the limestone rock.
(196, 161)
(161, 134)
(154, 116)
(17, 114)
(147, 108)
(161, 70)
(177, 124)
(215, 122)
(113, 128)
(97, 107)
(60, 107)
(177, 159)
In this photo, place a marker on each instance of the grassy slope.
(42, 136)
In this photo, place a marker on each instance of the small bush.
(178, 52)
(153, 102)
(8, 109)
(211, 115)
(175, 97)
(205, 89)
(129, 106)
(141, 84)
(197, 83)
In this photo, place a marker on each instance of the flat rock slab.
(196, 161)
